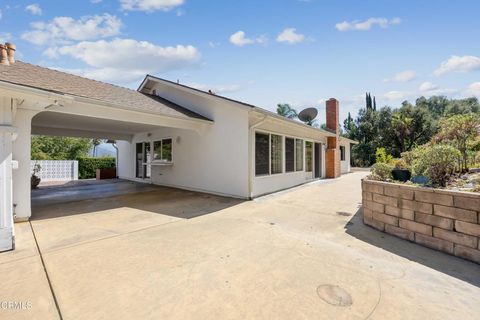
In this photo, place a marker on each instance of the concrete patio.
(147, 252)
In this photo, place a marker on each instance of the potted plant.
(400, 171)
(35, 180)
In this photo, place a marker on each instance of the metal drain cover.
(334, 295)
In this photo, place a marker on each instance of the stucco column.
(21, 153)
(7, 134)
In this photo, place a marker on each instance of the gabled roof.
(33, 76)
(192, 88)
(244, 104)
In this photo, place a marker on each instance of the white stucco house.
(167, 134)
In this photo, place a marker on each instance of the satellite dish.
(308, 115)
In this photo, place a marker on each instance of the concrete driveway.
(168, 254)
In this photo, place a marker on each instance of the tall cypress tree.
(374, 104)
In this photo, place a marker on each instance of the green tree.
(59, 148)
(285, 110)
(461, 131)
(96, 142)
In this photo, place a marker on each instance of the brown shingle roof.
(34, 76)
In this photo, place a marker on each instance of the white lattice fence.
(56, 170)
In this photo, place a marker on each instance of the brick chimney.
(7, 54)
(3, 55)
(11, 48)
(332, 157)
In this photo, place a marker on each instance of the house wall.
(213, 160)
(345, 164)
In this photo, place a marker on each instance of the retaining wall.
(443, 220)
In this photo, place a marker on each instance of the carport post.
(7, 135)
(22, 154)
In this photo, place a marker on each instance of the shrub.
(437, 162)
(381, 156)
(382, 171)
(88, 166)
(400, 164)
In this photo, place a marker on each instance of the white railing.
(56, 170)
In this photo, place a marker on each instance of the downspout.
(250, 155)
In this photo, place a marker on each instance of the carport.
(36, 100)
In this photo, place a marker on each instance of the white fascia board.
(292, 123)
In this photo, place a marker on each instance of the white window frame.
(269, 153)
(294, 154)
(303, 156)
(304, 159)
(161, 160)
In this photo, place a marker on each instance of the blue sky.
(262, 52)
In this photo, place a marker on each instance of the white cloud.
(1, 14)
(213, 44)
(218, 89)
(366, 25)
(428, 86)
(5, 37)
(458, 64)
(404, 76)
(150, 5)
(34, 9)
(63, 30)
(474, 89)
(126, 60)
(239, 39)
(397, 95)
(290, 35)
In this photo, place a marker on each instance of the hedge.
(88, 166)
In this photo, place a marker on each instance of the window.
(298, 154)
(162, 150)
(308, 156)
(342, 153)
(289, 154)
(276, 154)
(262, 153)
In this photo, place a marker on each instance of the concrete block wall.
(443, 220)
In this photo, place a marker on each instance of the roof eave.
(293, 122)
(64, 96)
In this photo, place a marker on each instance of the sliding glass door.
(143, 159)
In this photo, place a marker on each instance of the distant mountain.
(104, 150)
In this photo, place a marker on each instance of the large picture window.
(298, 154)
(308, 156)
(262, 154)
(162, 150)
(276, 159)
(289, 154)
